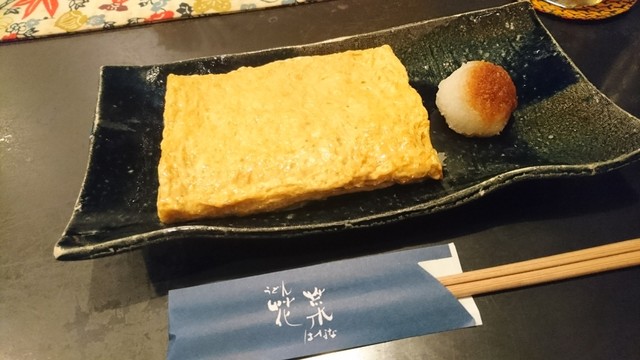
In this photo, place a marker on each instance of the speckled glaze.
(563, 126)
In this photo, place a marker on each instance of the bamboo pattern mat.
(603, 10)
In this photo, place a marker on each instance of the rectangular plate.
(563, 127)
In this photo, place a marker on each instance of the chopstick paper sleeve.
(315, 309)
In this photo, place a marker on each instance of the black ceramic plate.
(563, 127)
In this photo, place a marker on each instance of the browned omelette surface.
(305, 128)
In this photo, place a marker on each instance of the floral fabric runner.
(28, 19)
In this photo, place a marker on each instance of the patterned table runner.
(29, 19)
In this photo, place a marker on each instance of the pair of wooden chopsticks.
(546, 269)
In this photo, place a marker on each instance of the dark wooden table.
(116, 307)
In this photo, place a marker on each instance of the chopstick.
(546, 269)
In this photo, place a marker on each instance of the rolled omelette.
(264, 138)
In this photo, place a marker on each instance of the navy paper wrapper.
(314, 310)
